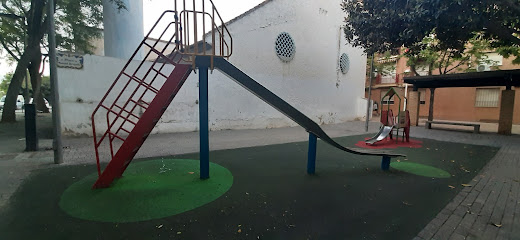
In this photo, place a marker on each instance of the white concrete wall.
(311, 82)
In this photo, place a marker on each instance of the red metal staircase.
(144, 89)
(142, 127)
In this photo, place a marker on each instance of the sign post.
(56, 117)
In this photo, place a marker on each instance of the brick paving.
(489, 208)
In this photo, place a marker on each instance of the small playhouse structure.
(392, 124)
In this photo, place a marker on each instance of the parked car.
(19, 102)
(46, 103)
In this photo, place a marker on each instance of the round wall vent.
(344, 63)
(285, 48)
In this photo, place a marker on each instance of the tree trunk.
(414, 70)
(432, 100)
(35, 33)
(9, 114)
(36, 82)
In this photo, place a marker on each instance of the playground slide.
(269, 97)
(382, 134)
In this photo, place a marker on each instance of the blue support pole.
(204, 122)
(385, 163)
(311, 161)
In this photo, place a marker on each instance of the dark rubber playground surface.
(272, 197)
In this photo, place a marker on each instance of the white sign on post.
(69, 60)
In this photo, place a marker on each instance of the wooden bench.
(476, 126)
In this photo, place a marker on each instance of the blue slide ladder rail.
(203, 60)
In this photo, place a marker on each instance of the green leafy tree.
(508, 51)
(45, 88)
(435, 33)
(23, 29)
(429, 56)
(5, 83)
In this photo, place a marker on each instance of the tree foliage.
(23, 29)
(381, 25)
(431, 57)
(45, 87)
(5, 82)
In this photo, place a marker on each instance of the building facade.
(295, 49)
(472, 104)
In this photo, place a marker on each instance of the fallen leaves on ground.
(497, 225)
(466, 185)
(452, 187)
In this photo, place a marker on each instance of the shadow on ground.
(272, 197)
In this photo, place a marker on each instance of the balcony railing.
(380, 79)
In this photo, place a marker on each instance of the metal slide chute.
(270, 98)
(381, 135)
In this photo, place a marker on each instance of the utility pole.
(56, 117)
(369, 92)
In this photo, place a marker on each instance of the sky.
(152, 9)
(228, 9)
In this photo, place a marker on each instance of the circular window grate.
(344, 63)
(285, 48)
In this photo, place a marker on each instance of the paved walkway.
(15, 164)
(488, 209)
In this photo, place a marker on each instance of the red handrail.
(120, 111)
